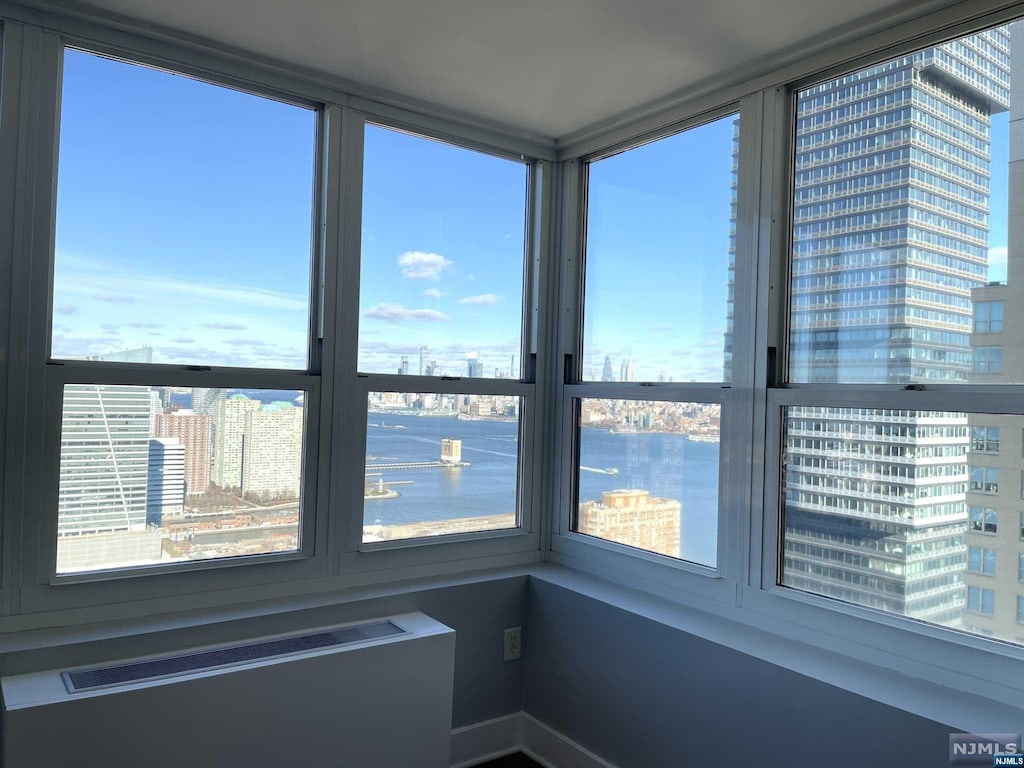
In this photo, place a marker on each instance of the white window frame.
(655, 572)
(514, 546)
(42, 589)
(33, 595)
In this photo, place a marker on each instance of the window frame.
(42, 589)
(655, 572)
(931, 652)
(393, 559)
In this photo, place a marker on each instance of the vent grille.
(106, 677)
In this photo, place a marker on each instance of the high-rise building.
(104, 459)
(995, 544)
(193, 430)
(606, 373)
(474, 368)
(230, 419)
(165, 486)
(140, 355)
(890, 237)
(272, 451)
(205, 400)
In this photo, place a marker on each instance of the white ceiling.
(549, 67)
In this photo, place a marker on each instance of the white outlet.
(513, 643)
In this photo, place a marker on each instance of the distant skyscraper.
(606, 374)
(474, 368)
(193, 430)
(104, 459)
(165, 487)
(140, 355)
(229, 439)
(629, 372)
(403, 367)
(205, 400)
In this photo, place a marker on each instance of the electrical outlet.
(513, 643)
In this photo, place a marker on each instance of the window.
(984, 480)
(441, 277)
(441, 338)
(983, 520)
(988, 317)
(1020, 609)
(890, 293)
(439, 464)
(981, 600)
(981, 560)
(985, 439)
(648, 470)
(183, 241)
(1020, 567)
(649, 400)
(988, 359)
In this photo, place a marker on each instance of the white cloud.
(432, 293)
(396, 313)
(488, 299)
(417, 265)
(997, 255)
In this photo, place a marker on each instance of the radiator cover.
(379, 703)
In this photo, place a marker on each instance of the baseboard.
(487, 740)
(520, 732)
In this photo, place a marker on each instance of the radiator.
(377, 694)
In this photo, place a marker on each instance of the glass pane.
(162, 475)
(440, 464)
(648, 476)
(661, 220)
(443, 247)
(907, 244)
(184, 217)
(898, 510)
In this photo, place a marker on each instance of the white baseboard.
(487, 740)
(520, 732)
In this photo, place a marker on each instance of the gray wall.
(485, 686)
(644, 695)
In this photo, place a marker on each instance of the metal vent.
(106, 677)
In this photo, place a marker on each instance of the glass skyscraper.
(890, 236)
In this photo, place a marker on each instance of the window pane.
(440, 464)
(661, 218)
(893, 510)
(160, 475)
(184, 217)
(441, 283)
(648, 476)
(902, 221)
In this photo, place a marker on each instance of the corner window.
(650, 406)
(183, 243)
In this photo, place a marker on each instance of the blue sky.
(658, 257)
(442, 256)
(184, 223)
(203, 255)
